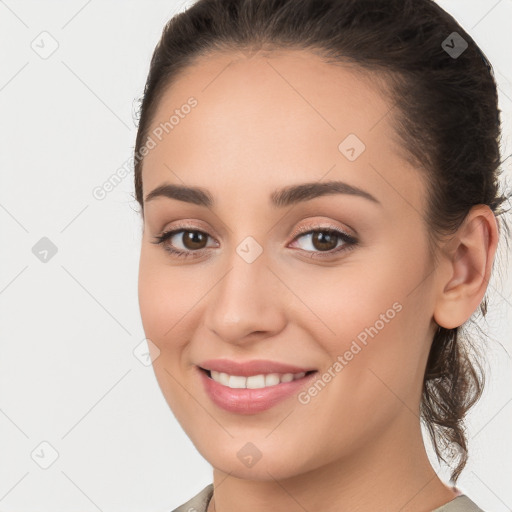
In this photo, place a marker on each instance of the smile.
(254, 381)
(264, 385)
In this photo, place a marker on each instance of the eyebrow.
(286, 196)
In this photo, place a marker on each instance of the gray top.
(199, 503)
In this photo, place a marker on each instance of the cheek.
(165, 297)
(346, 302)
(150, 287)
(378, 329)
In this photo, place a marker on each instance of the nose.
(247, 303)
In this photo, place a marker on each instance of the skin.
(264, 122)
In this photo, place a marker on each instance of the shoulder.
(199, 502)
(460, 504)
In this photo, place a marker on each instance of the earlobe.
(465, 268)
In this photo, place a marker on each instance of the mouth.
(253, 393)
(258, 381)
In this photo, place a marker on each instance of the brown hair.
(446, 117)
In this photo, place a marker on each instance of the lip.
(252, 401)
(252, 367)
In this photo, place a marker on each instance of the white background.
(68, 375)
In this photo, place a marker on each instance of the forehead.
(277, 119)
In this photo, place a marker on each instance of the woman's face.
(353, 300)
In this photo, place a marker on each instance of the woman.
(318, 183)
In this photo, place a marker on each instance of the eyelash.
(349, 241)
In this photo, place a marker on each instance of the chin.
(261, 459)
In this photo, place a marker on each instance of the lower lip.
(250, 401)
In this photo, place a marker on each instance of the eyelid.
(169, 233)
(185, 227)
(301, 230)
(304, 230)
(350, 241)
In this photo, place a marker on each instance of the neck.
(391, 473)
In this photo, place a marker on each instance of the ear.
(465, 267)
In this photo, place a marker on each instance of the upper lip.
(253, 367)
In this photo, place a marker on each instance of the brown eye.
(183, 242)
(324, 240)
(193, 240)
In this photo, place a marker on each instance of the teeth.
(271, 379)
(254, 381)
(236, 382)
